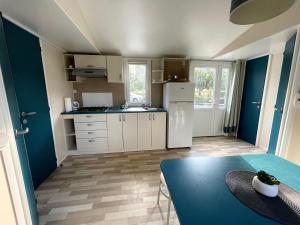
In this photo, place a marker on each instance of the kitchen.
(124, 112)
(105, 123)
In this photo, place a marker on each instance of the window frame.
(126, 63)
(218, 65)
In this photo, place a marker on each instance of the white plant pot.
(265, 189)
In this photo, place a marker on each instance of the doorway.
(211, 90)
(255, 75)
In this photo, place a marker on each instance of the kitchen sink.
(136, 109)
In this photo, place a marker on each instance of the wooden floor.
(120, 188)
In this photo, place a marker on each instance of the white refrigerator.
(179, 102)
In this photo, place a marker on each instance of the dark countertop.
(119, 110)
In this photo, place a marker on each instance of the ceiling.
(160, 27)
(139, 28)
(48, 21)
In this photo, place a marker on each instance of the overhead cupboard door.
(90, 61)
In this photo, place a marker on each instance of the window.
(211, 83)
(224, 86)
(138, 82)
(204, 79)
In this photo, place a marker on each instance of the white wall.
(57, 89)
(270, 100)
(293, 153)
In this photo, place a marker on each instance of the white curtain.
(234, 98)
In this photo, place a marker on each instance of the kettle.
(75, 105)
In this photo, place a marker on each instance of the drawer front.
(91, 134)
(92, 144)
(91, 126)
(89, 118)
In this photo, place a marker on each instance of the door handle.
(278, 109)
(21, 132)
(24, 114)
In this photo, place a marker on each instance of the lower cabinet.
(130, 133)
(115, 132)
(122, 132)
(144, 131)
(118, 132)
(151, 131)
(158, 131)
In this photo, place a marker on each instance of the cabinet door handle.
(90, 132)
(153, 116)
(120, 77)
(123, 117)
(89, 124)
(120, 119)
(91, 141)
(88, 116)
(149, 116)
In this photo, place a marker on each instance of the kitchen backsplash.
(117, 90)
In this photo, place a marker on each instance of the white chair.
(163, 189)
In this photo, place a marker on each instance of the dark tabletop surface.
(200, 195)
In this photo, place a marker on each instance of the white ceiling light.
(254, 11)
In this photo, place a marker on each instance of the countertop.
(119, 110)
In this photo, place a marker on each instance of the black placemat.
(285, 208)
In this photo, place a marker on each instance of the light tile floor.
(119, 188)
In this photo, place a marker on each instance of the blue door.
(14, 112)
(281, 94)
(28, 75)
(255, 76)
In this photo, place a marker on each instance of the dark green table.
(201, 197)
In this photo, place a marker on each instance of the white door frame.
(289, 111)
(12, 164)
(263, 101)
(218, 65)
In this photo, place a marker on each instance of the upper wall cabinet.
(90, 61)
(157, 70)
(114, 69)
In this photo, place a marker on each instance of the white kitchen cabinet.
(91, 133)
(130, 137)
(97, 145)
(115, 132)
(90, 61)
(158, 131)
(144, 131)
(114, 69)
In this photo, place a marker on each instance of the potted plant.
(265, 184)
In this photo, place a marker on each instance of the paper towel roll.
(68, 104)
